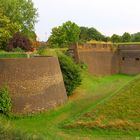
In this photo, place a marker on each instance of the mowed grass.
(121, 111)
(52, 125)
(4, 54)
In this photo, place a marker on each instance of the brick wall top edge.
(36, 57)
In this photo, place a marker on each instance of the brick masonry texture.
(35, 84)
(107, 59)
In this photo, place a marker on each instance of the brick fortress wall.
(35, 84)
(107, 59)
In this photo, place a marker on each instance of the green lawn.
(120, 112)
(53, 125)
(4, 54)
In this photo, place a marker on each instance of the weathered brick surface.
(35, 84)
(129, 59)
(106, 59)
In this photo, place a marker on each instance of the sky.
(107, 16)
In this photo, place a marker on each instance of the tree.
(94, 34)
(7, 29)
(58, 38)
(126, 37)
(21, 12)
(88, 34)
(106, 39)
(115, 38)
(64, 35)
(84, 34)
(135, 37)
(72, 32)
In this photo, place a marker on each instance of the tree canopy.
(115, 38)
(21, 12)
(64, 35)
(135, 37)
(7, 29)
(87, 34)
(126, 37)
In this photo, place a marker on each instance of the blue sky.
(107, 16)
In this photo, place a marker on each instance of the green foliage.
(88, 34)
(126, 37)
(135, 37)
(20, 12)
(7, 29)
(5, 100)
(115, 38)
(64, 35)
(18, 50)
(71, 73)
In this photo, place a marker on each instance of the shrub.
(20, 41)
(5, 100)
(18, 50)
(71, 73)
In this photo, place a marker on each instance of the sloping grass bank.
(51, 125)
(120, 112)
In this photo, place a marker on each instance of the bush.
(5, 100)
(20, 41)
(18, 50)
(71, 73)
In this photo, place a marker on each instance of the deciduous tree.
(21, 12)
(115, 38)
(126, 37)
(7, 29)
(64, 35)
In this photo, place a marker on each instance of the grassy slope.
(119, 112)
(51, 124)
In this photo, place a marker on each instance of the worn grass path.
(50, 125)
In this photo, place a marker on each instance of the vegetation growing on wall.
(71, 73)
(5, 101)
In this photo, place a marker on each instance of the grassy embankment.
(120, 112)
(54, 124)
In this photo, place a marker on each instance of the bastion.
(35, 84)
(108, 58)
